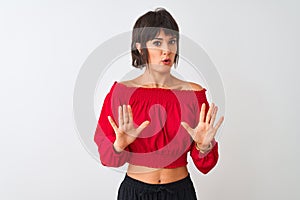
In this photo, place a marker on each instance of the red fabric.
(164, 143)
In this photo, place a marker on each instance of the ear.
(138, 47)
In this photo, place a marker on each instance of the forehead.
(162, 34)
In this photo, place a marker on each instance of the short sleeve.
(105, 136)
(203, 162)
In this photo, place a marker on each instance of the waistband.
(173, 186)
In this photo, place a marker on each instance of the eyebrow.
(174, 37)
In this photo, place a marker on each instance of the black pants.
(132, 189)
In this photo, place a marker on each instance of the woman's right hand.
(126, 133)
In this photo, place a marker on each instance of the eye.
(172, 41)
(157, 43)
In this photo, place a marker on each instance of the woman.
(153, 121)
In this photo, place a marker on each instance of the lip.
(166, 61)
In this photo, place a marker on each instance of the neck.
(157, 79)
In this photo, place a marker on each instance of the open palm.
(205, 131)
(126, 133)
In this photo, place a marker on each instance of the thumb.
(142, 126)
(188, 128)
(112, 123)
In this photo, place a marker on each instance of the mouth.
(166, 61)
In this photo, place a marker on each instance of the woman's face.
(161, 51)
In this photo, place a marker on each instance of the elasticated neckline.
(158, 89)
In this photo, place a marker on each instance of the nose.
(164, 47)
(166, 50)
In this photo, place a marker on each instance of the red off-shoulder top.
(164, 143)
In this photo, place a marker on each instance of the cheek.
(174, 50)
(154, 54)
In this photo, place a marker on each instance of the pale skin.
(161, 47)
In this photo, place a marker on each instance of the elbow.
(206, 169)
(112, 164)
(111, 159)
(205, 172)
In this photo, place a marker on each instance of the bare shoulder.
(195, 86)
(186, 85)
(129, 83)
(190, 86)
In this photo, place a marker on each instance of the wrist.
(117, 147)
(203, 149)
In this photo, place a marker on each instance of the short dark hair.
(146, 28)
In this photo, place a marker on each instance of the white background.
(253, 43)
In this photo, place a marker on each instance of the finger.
(125, 114)
(214, 132)
(214, 114)
(142, 126)
(130, 113)
(121, 121)
(188, 129)
(219, 123)
(202, 113)
(208, 116)
(112, 123)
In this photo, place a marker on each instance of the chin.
(161, 67)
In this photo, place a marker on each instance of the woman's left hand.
(205, 131)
